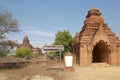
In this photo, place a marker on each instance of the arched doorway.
(100, 52)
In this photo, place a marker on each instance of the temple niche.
(27, 44)
(96, 43)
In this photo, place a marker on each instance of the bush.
(22, 52)
(3, 52)
(34, 54)
(52, 55)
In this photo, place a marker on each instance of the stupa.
(26, 44)
(96, 43)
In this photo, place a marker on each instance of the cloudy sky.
(42, 19)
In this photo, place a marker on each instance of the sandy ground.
(94, 73)
(39, 72)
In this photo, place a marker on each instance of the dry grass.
(29, 71)
(37, 71)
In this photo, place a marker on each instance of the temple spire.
(26, 40)
(94, 17)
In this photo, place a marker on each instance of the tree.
(7, 24)
(64, 38)
(10, 43)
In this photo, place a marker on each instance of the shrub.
(3, 52)
(22, 52)
(52, 55)
(34, 54)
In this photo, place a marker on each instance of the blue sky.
(41, 19)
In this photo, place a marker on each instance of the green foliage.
(22, 52)
(3, 52)
(34, 54)
(64, 38)
(52, 55)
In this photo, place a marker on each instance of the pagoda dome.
(94, 16)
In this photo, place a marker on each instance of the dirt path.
(94, 73)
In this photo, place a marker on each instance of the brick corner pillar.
(83, 55)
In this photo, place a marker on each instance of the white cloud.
(57, 28)
(42, 33)
(34, 30)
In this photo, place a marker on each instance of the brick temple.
(96, 43)
(26, 44)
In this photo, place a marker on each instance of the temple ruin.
(26, 44)
(96, 43)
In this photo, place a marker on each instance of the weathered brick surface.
(96, 43)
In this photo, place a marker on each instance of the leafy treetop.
(64, 38)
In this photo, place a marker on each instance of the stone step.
(99, 65)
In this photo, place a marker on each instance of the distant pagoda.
(27, 44)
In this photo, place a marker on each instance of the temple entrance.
(100, 53)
